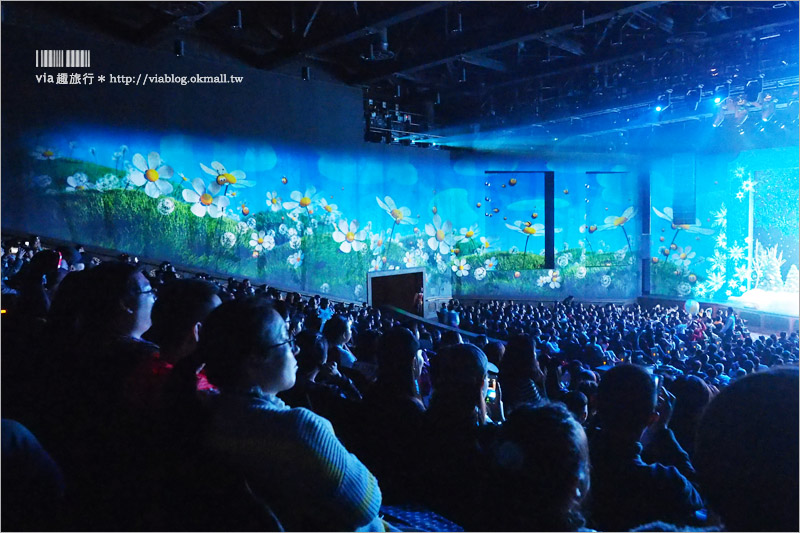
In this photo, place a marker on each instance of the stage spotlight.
(753, 89)
(721, 92)
(664, 101)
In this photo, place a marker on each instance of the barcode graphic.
(63, 58)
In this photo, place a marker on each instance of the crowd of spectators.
(152, 400)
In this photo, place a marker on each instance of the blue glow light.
(717, 100)
(659, 108)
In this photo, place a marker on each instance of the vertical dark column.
(644, 243)
(549, 219)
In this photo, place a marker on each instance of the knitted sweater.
(292, 458)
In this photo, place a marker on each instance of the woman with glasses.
(290, 458)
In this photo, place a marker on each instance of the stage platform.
(759, 322)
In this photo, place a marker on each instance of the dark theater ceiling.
(489, 65)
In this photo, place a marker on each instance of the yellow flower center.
(529, 230)
(397, 215)
(683, 256)
(151, 175)
(47, 153)
(261, 240)
(230, 178)
(489, 265)
(469, 234)
(80, 187)
(305, 201)
(329, 209)
(275, 200)
(620, 220)
(439, 235)
(350, 236)
(486, 244)
(206, 199)
(461, 267)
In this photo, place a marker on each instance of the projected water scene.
(318, 221)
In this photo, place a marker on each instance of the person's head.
(399, 361)
(459, 375)
(337, 330)
(177, 315)
(578, 405)
(246, 344)
(626, 399)
(312, 352)
(542, 460)
(494, 352)
(450, 337)
(746, 452)
(519, 359)
(119, 300)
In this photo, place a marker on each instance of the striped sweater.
(292, 458)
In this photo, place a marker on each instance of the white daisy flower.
(410, 259)
(274, 201)
(295, 259)
(555, 279)
(527, 229)
(44, 153)
(562, 261)
(349, 237)
(294, 242)
(376, 264)
(152, 173)
(749, 185)
(683, 289)
(242, 227)
(283, 229)
(683, 256)
(400, 215)
(490, 264)
(440, 234)
(291, 232)
(257, 240)
(619, 255)
(331, 209)
(467, 234)
(358, 290)
(204, 199)
(78, 182)
(480, 273)
(302, 201)
(236, 178)
(460, 267)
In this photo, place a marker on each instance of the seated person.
(541, 464)
(290, 457)
(626, 491)
(746, 452)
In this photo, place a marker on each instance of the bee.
(512, 181)
(245, 209)
(284, 180)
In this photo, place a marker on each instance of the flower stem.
(525, 250)
(674, 237)
(627, 239)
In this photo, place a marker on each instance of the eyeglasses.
(290, 341)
